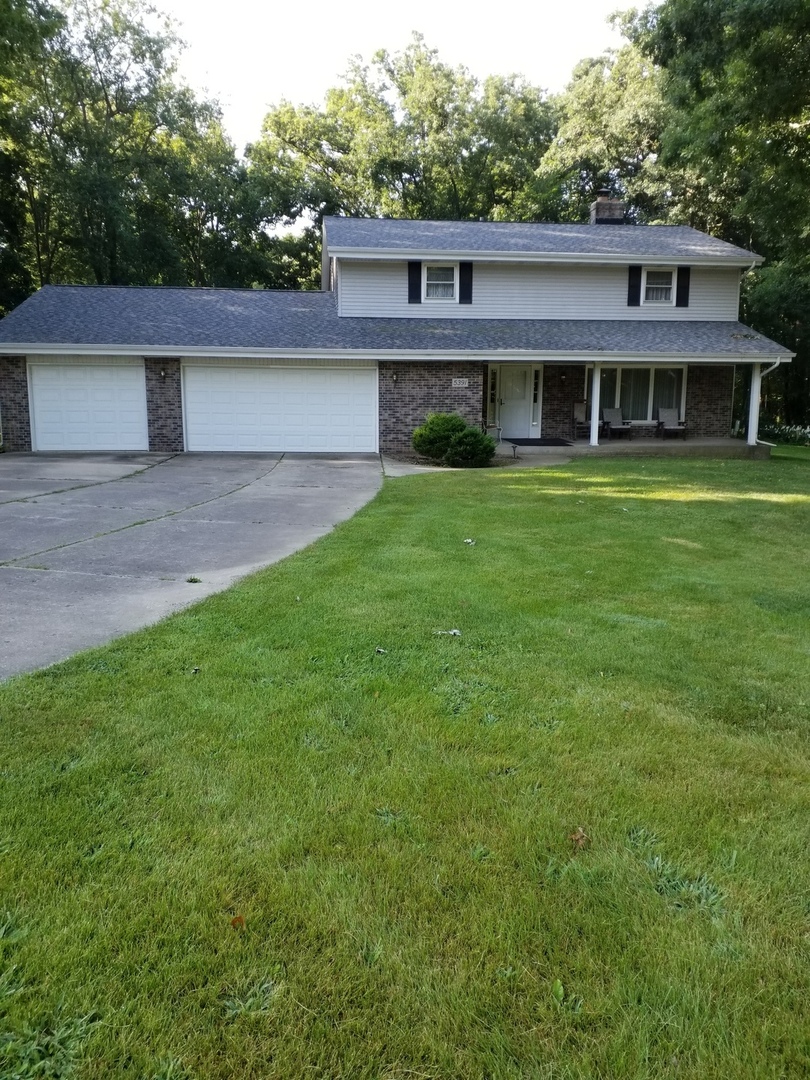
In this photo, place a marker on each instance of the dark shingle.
(170, 319)
(633, 241)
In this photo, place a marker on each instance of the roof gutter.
(492, 355)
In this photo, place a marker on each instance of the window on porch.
(638, 391)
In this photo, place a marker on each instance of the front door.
(516, 401)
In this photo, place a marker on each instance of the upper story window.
(441, 282)
(658, 287)
(448, 282)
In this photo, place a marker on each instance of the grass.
(297, 831)
(794, 453)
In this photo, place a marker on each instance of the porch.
(700, 447)
(555, 401)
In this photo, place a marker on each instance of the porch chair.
(669, 424)
(581, 425)
(614, 424)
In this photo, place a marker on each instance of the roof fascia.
(404, 255)
(166, 352)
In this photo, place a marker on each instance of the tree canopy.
(736, 78)
(408, 136)
(111, 172)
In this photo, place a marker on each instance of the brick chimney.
(607, 211)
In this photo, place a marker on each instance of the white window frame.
(619, 368)
(439, 299)
(672, 289)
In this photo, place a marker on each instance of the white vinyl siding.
(303, 407)
(526, 291)
(86, 404)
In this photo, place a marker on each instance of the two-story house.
(511, 325)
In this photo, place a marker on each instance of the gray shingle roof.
(633, 241)
(169, 320)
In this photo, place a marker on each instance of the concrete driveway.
(97, 545)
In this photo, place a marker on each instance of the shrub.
(447, 437)
(433, 438)
(470, 449)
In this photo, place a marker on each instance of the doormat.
(538, 442)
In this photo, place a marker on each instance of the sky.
(252, 53)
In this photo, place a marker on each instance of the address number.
(461, 382)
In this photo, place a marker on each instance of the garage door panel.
(89, 407)
(277, 409)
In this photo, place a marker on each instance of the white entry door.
(88, 406)
(516, 401)
(280, 408)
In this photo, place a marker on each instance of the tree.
(25, 26)
(737, 79)
(407, 136)
(611, 117)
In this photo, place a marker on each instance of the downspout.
(757, 376)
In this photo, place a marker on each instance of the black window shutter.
(414, 283)
(682, 290)
(465, 283)
(634, 286)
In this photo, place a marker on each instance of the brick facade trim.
(164, 406)
(15, 412)
(409, 391)
(709, 400)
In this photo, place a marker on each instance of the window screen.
(635, 395)
(440, 282)
(658, 287)
(667, 390)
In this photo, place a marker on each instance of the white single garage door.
(88, 406)
(280, 408)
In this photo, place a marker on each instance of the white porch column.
(753, 404)
(596, 386)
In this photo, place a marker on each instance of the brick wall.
(562, 386)
(164, 406)
(14, 412)
(709, 393)
(421, 388)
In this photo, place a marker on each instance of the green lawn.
(298, 832)
(796, 453)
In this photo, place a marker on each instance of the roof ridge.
(476, 221)
(186, 288)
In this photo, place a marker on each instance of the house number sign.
(461, 382)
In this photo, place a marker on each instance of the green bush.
(448, 438)
(433, 438)
(470, 449)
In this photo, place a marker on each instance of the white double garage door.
(100, 404)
